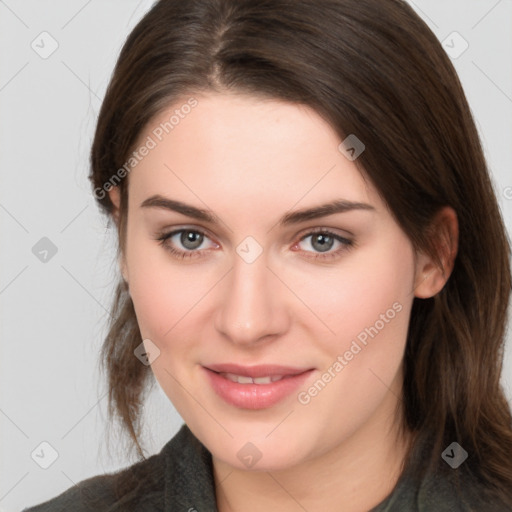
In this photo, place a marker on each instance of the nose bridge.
(250, 307)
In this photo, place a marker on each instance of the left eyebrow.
(337, 206)
(295, 217)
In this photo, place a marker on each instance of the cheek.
(167, 300)
(164, 293)
(367, 304)
(371, 281)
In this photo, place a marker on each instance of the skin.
(250, 161)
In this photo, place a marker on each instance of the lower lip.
(255, 396)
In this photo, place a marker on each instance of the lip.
(261, 370)
(255, 396)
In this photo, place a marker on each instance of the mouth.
(255, 387)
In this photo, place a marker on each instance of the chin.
(257, 452)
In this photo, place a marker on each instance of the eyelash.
(346, 244)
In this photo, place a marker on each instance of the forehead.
(240, 148)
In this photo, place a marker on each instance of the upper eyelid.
(312, 231)
(174, 231)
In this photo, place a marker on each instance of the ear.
(430, 278)
(115, 196)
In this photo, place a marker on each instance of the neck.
(354, 476)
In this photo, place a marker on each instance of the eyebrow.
(294, 217)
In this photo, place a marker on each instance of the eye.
(322, 241)
(191, 242)
(190, 239)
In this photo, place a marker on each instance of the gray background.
(54, 313)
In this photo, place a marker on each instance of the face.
(314, 307)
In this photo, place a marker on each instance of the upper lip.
(256, 371)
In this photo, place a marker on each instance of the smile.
(256, 387)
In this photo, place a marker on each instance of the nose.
(252, 304)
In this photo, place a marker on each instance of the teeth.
(262, 380)
(242, 379)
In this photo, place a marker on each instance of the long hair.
(371, 68)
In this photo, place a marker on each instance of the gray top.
(180, 479)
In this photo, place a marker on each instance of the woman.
(315, 268)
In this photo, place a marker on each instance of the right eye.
(190, 239)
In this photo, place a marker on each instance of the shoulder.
(95, 493)
(444, 489)
(442, 492)
(137, 487)
(459, 491)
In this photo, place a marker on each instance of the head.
(248, 111)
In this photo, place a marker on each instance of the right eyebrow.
(158, 201)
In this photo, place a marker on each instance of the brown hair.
(372, 68)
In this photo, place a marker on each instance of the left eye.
(322, 242)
